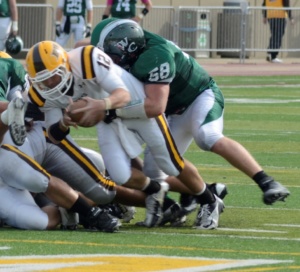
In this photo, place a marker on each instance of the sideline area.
(251, 67)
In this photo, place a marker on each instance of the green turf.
(248, 228)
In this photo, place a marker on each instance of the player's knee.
(100, 195)
(36, 184)
(206, 139)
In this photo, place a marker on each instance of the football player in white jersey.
(21, 174)
(89, 74)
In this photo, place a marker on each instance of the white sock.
(202, 191)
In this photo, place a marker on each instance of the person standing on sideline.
(70, 18)
(277, 22)
(8, 21)
(126, 9)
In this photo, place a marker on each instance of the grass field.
(263, 114)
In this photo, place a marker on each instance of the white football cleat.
(154, 204)
(16, 123)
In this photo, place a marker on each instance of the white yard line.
(283, 225)
(219, 235)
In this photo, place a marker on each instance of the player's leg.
(118, 164)
(32, 177)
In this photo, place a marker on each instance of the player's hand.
(88, 31)
(58, 29)
(92, 113)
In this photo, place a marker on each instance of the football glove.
(110, 116)
(58, 29)
(88, 31)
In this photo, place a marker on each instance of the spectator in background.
(8, 21)
(70, 18)
(125, 9)
(277, 21)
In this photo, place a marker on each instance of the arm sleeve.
(264, 12)
(286, 4)
(61, 4)
(89, 4)
(106, 72)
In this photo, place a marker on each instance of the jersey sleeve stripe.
(87, 66)
(174, 153)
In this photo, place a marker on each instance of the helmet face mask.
(48, 60)
(123, 41)
(61, 87)
(14, 45)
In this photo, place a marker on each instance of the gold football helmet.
(45, 60)
(4, 55)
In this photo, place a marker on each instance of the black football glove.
(58, 30)
(110, 116)
(88, 31)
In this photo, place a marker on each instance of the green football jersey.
(4, 8)
(12, 75)
(123, 9)
(74, 8)
(164, 62)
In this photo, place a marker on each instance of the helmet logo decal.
(123, 44)
(55, 51)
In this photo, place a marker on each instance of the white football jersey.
(94, 75)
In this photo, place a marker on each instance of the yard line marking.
(253, 230)
(268, 208)
(260, 101)
(259, 86)
(5, 248)
(283, 225)
(221, 235)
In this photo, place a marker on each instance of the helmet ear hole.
(14, 45)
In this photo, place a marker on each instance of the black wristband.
(104, 17)
(57, 133)
(145, 11)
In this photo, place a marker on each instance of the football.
(76, 117)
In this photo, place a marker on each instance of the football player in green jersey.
(177, 85)
(126, 9)
(8, 20)
(70, 18)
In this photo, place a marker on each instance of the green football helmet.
(123, 40)
(14, 45)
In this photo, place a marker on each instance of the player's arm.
(56, 128)
(83, 42)
(107, 10)
(144, 12)
(89, 19)
(156, 78)
(99, 67)
(14, 16)
(156, 99)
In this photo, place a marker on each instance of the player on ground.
(84, 73)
